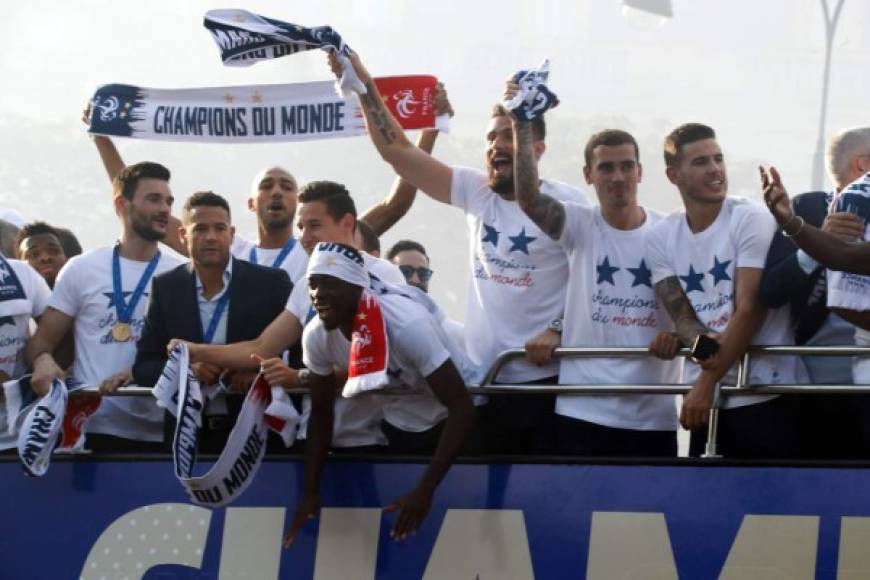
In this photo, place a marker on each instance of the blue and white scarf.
(534, 98)
(37, 422)
(179, 392)
(245, 38)
(845, 290)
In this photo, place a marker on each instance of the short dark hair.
(682, 136)
(370, 239)
(34, 229)
(334, 195)
(539, 126)
(205, 199)
(609, 138)
(405, 246)
(127, 180)
(69, 242)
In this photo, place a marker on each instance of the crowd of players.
(550, 266)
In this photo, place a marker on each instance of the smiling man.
(102, 295)
(713, 254)
(382, 336)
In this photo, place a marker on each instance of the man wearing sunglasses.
(412, 260)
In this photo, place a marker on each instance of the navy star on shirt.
(719, 271)
(521, 242)
(4, 320)
(605, 272)
(693, 280)
(642, 275)
(491, 235)
(111, 297)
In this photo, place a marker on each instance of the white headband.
(340, 261)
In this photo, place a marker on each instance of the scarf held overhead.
(255, 114)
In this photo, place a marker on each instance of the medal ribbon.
(124, 311)
(279, 259)
(208, 334)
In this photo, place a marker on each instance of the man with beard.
(215, 300)
(102, 296)
(519, 274)
(40, 246)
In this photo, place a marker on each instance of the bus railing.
(488, 385)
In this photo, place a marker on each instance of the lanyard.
(208, 335)
(279, 258)
(124, 311)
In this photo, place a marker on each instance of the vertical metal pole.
(710, 450)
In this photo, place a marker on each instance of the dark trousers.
(100, 443)
(402, 442)
(833, 426)
(519, 424)
(767, 430)
(578, 437)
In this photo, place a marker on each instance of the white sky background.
(751, 69)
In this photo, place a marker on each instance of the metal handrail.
(489, 387)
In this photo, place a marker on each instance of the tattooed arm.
(408, 161)
(670, 294)
(547, 213)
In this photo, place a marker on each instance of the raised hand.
(775, 196)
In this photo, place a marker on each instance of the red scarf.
(369, 348)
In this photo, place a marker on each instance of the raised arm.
(408, 161)
(547, 213)
(828, 249)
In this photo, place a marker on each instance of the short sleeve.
(241, 248)
(578, 225)
(39, 293)
(315, 350)
(66, 295)
(298, 304)
(656, 252)
(753, 234)
(463, 184)
(418, 343)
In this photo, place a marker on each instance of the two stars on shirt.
(643, 275)
(519, 242)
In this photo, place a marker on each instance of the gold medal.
(122, 332)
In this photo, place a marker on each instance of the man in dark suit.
(213, 299)
(830, 425)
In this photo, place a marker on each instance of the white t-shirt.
(417, 347)
(518, 274)
(19, 304)
(611, 302)
(84, 291)
(706, 263)
(294, 264)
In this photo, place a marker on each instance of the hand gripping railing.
(741, 386)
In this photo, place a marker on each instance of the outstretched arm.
(828, 249)
(408, 161)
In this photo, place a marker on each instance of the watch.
(556, 325)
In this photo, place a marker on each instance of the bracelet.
(800, 227)
(303, 378)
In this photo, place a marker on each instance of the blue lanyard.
(124, 311)
(208, 336)
(279, 259)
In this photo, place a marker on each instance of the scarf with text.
(245, 38)
(533, 98)
(257, 113)
(264, 408)
(846, 290)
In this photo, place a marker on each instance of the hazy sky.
(750, 69)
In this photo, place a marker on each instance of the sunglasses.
(423, 273)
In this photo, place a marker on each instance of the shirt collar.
(227, 277)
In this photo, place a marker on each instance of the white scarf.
(179, 391)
